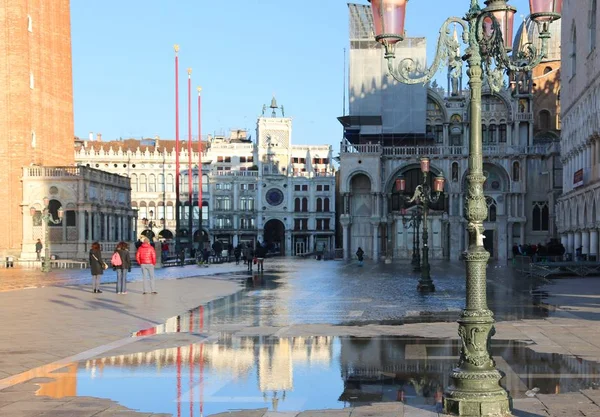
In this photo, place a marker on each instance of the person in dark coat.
(261, 254)
(96, 266)
(360, 255)
(249, 252)
(122, 250)
(237, 252)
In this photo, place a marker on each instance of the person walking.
(237, 252)
(97, 266)
(38, 249)
(261, 254)
(249, 253)
(146, 257)
(121, 262)
(360, 255)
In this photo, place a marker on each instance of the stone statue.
(264, 109)
(455, 74)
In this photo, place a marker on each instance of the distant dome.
(531, 34)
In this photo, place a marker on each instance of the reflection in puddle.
(299, 373)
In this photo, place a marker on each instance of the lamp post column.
(476, 371)
(417, 258)
(425, 283)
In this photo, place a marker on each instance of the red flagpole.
(176, 148)
(200, 163)
(189, 146)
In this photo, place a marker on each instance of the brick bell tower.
(36, 100)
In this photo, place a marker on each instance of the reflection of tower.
(64, 383)
(275, 366)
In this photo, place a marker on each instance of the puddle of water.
(295, 374)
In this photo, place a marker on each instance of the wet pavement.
(303, 335)
(279, 374)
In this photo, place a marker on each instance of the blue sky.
(241, 52)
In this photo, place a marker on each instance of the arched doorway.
(205, 238)
(274, 237)
(165, 234)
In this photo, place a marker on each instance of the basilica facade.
(391, 126)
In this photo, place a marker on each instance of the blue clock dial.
(274, 197)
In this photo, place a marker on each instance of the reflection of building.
(269, 190)
(580, 103)
(379, 146)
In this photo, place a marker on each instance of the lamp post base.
(425, 286)
(477, 397)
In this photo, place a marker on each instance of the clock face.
(274, 196)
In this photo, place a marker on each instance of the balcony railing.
(415, 151)
(75, 172)
(236, 173)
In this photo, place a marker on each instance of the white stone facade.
(96, 207)
(577, 218)
(267, 190)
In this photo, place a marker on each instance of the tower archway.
(274, 236)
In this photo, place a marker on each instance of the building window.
(297, 205)
(326, 205)
(573, 54)
(454, 171)
(223, 203)
(502, 136)
(204, 183)
(205, 212)
(516, 171)
(484, 134)
(170, 183)
(541, 215)
(319, 187)
(247, 203)
(305, 204)
(152, 183)
(326, 188)
(319, 205)
(545, 120)
(492, 209)
(143, 183)
(492, 134)
(170, 213)
(592, 25)
(439, 134)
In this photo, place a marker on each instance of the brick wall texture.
(36, 100)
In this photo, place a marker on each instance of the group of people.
(121, 263)
(554, 248)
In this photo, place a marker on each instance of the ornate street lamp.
(475, 389)
(46, 217)
(149, 224)
(414, 222)
(424, 196)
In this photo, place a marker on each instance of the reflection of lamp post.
(46, 218)
(424, 196)
(487, 33)
(414, 222)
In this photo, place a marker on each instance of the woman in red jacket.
(146, 257)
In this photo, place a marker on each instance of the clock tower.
(273, 133)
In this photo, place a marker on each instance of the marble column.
(510, 239)
(594, 244)
(522, 231)
(576, 241)
(311, 243)
(375, 242)
(585, 242)
(345, 245)
(571, 243)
